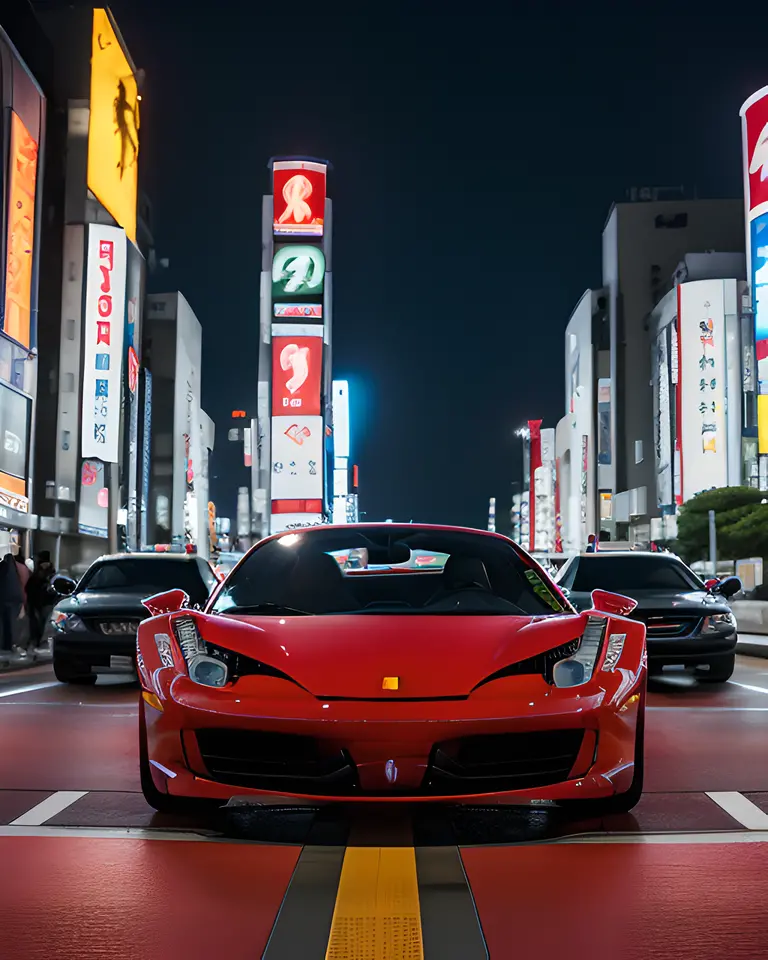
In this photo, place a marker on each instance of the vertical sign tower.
(290, 450)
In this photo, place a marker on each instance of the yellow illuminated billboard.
(113, 135)
(21, 233)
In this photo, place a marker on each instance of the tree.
(741, 520)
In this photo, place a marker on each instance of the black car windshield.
(627, 574)
(387, 569)
(145, 575)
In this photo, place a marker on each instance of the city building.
(181, 434)
(23, 134)
(606, 465)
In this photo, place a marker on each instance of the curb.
(748, 649)
(12, 666)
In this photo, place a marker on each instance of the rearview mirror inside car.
(63, 586)
(613, 603)
(168, 602)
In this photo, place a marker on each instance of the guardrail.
(751, 615)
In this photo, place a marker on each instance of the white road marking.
(48, 808)
(15, 691)
(107, 833)
(736, 805)
(686, 709)
(735, 836)
(748, 686)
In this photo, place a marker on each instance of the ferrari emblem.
(390, 683)
(390, 770)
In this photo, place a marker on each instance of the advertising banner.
(702, 426)
(297, 367)
(298, 188)
(534, 441)
(17, 321)
(103, 330)
(340, 410)
(146, 457)
(297, 458)
(298, 311)
(113, 131)
(15, 412)
(94, 500)
(604, 422)
(298, 270)
(663, 411)
(294, 521)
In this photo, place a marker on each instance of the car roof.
(437, 527)
(187, 557)
(631, 553)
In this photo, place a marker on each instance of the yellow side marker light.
(390, 683)
(152, 700)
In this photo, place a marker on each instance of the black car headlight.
(717, 621)
(204, 666)
(579, 668)
(67, 622)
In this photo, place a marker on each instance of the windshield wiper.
(275, 609)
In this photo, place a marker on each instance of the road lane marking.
(736, 805)
(15, 691)
(685, 709)
(748, 686)
(450, 925)
(48, 808)
(377, 903)
(116, 833)
(734, 836)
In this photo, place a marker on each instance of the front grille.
(276, 761)
(502, 761)
(667, 626)
(113, 626)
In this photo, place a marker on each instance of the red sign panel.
(754, 115)
(298, 188)
(297, 367)
(133, 370)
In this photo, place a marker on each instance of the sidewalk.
(752, 645)
(34, 658)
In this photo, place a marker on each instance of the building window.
(676, 221)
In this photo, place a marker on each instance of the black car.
(689, 623)
(94, 628)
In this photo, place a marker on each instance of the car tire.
(64, 673)
(165, 802)
(620, 802)
(720, 670)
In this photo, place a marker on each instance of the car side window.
(209, 577)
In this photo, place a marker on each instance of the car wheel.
(620, 802)
(164, 802)
(65, 673)
(720, 670)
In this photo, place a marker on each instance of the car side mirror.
(613, 603)
(728, 587)
(63, 586)
(168, 602)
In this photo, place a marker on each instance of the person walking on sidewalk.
(11, 602)
(40, 598)
(22, 627)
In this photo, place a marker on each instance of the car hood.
(349, 656)
(650, 602)
(105, 604)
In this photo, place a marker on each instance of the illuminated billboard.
(754, 137)
(113, 133)
(295, 521)
(298, 188)
(702, 353)
(103, 333)
(340, 408)
(299, 311)
(297, 368)
(298, 270)
(21, 234)
(297, 458)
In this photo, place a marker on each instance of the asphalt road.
(88, 870)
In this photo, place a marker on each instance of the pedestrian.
(11, 602)
(591, 543)
(22, 627)
(40, 597)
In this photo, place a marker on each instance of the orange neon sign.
(21, 234)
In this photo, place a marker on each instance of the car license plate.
(121, 663)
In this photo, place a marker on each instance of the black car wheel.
(720, 670)
(65, 672)
(165, 802)
(620, 802)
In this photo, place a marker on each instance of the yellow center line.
(377, 914)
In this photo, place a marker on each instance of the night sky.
(475, 160)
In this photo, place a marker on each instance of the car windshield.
(387, 569)
(627, 574)
(144, 575)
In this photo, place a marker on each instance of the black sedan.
(94, 628)
(689, 623)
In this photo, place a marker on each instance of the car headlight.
(715, 622)
(579, 668)
(67, 622)
(204, 668)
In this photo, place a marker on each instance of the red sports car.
(473, 681)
